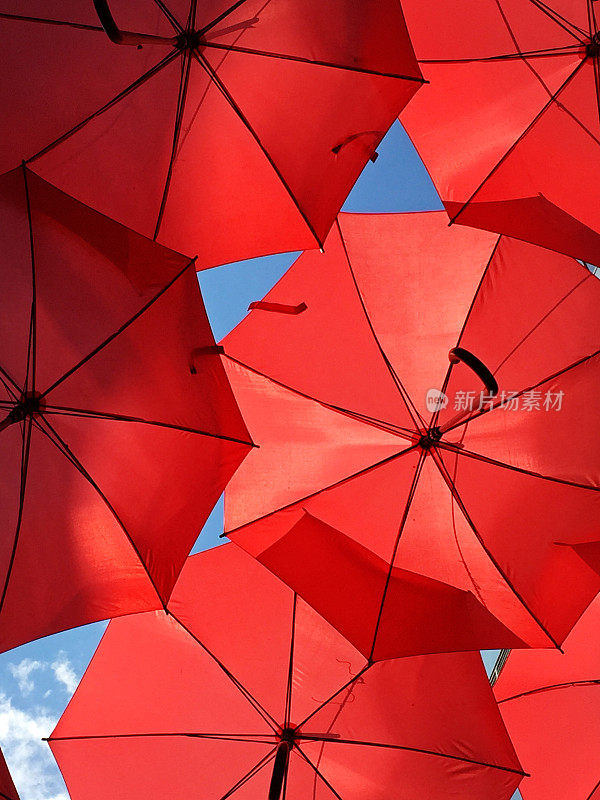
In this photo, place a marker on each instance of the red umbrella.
(551, 702)
(226, 129)
(7, 787)
(119, 429)
(409, 522)
(509, 125)
(243, 690)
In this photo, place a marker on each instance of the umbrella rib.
(77, 25)
(348, 685)
(288, 690)
(465, 323)
(550, 52)
(246, 123)
(66, 451)
(25, 450)
(6, 380)
(251, 773)
(410, 498)
(82, 413)
(119, 330)
(596, 67)
(413, 413)
(455, 494)
(561, 21)
(376, 423)
(317, 771)
(481, 412)
(258, 707)
(424, 752)
(542, 320)
(521, 136)
(169, 15)
(186, 64)
(122, 94)
(549, 688)
(304, 60)
(493, 462)
(32, 345)
(594, 790)
(258, 738)
(334, 485)
(221, 17)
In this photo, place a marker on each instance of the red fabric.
(508, 125)
(105, 491)
(198, 698)
(7, 787)
(474, 542)
(244, 145)
(549, 701)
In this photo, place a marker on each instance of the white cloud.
(64, 672)
(29, 758)
(22, 673)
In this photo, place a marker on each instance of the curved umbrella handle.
(279, 768)
(117, 36)
(458, 354)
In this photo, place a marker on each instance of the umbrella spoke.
(454, 491)
(258, 707)
(376, 423)
(435, 753)
(258, 738)
(25, 450)
(222, 16)
(324, 489)
(106, 415)
(32, 344)
(50, 432)
(169, 15)
(549, 52)
(541, 112)
(495, 406)
(303, 60)
(43, 21)
(349, 685)
(120, 330)
(183, 87)
(251, 773)
(245, 122)
(563, 22)
(124, 93)
(318, 773)
(407, 506)
(411, 408)
(549, 688)
(288, 691)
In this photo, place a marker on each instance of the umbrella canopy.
(7, 787)
(203, 701)
(550, 703)
(509, 127)
(119, 429)
(225, 129)
(416, 521)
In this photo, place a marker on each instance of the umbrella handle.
(458, 354)
(279, 769)
(117, 36)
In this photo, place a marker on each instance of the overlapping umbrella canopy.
(119, 429)
(202, 700)
(550, 703)
(7, 787)
(509, 125)
(416, 528)
(229, 130)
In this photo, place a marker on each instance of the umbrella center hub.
(288, 734)
(189, 40)
(593, 46)
(29, 405)
(430, 438)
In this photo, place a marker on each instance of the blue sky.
(37, 680)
